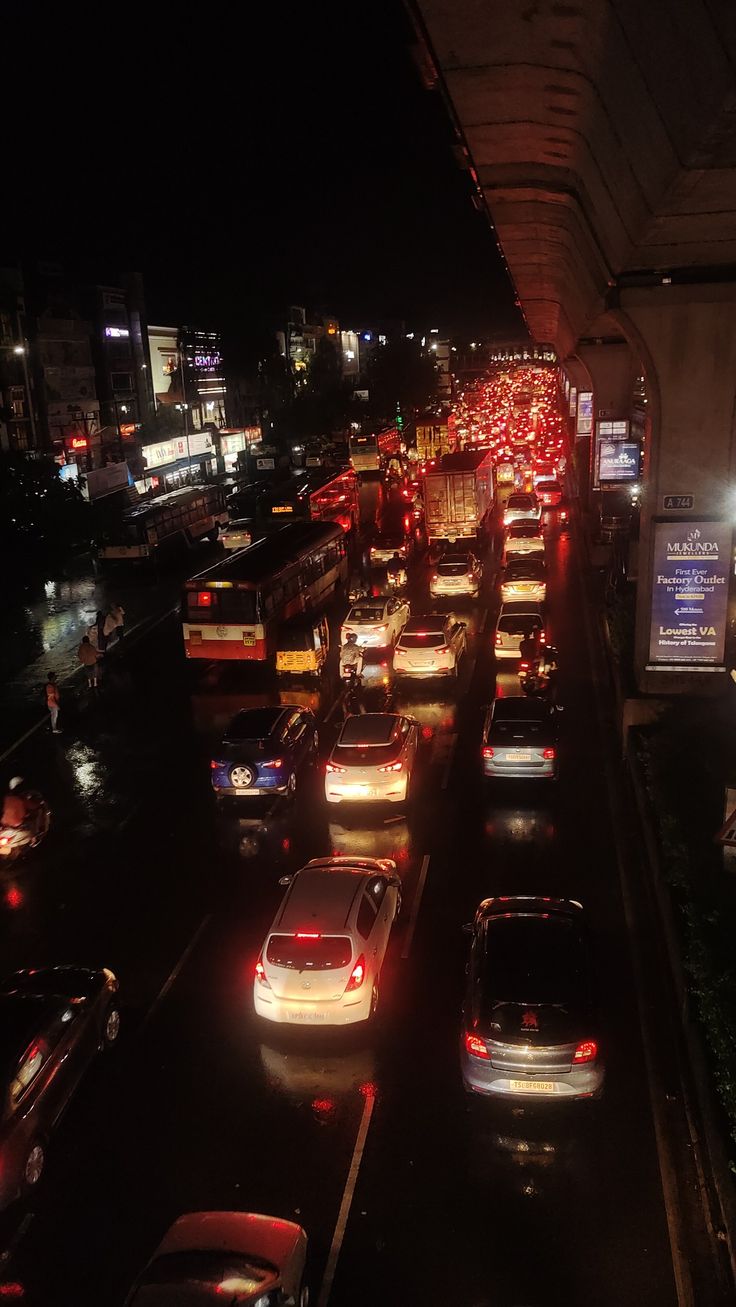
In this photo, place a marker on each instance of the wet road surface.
(455, 1200)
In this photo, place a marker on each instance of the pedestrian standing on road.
(52, 702)
(117, 613)
(87, 655)
(101, 638)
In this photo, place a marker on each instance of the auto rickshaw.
(302, 647)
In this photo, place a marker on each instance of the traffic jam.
(372, 691)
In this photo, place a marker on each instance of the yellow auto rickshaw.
(302, 647)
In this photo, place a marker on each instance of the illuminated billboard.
(690, 579)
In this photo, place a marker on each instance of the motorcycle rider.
(396, 571)
(351, 657)
(529, 648)
(20, 807)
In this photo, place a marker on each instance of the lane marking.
(347, 1199)
(667, 1167)
(338, 702)
(449, 762)
(21, 738)
(406, 950)
(176, 971)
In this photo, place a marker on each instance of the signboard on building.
(692, 564)
(613, 430)
(678, 503)
(169, 451)
(618, 460)
(584, 420)
(265, 464)
(104, 480)
(573, 401)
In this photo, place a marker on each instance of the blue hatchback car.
(264, 750)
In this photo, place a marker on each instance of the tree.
(402, 373)
(41, 516)
(166, 423)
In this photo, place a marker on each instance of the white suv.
(431, 645)
(321, 961)
(376, 622)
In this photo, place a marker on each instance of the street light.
(20, 351)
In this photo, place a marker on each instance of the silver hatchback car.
(529, 1023)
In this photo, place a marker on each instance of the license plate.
(520, 756)
(301, 1015)
(239, 793)
(533, 1086)
(249, 640)
(358, 791)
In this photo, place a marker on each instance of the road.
(410, 1192)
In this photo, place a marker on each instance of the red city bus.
(233, 610)
(318, 497)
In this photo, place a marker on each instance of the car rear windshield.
(532, 960)
(365, 615)
(520, 501)
(370, 729)
(302, 953)
(175, 1272)
(525, 570)
(523, 530)
(366, 755)
(547, 485)
(419, 640)
(388, 542)
(519, 625)
(252, 725)
(453, 569)
(507, 730)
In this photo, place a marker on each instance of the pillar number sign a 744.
(682, 502)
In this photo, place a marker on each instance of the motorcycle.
(17, 840)
(397, 581)
(537, 676)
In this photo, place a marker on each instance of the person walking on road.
(87, 655)
(53, 702)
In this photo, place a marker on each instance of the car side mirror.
(285, 881)
(559, 707)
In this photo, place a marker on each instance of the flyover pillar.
(686, 338)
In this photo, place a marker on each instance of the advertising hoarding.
(584, 420)
(618, 460)
(690, 578)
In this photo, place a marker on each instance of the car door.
(300, 738)
(384, 905)
(392, 620)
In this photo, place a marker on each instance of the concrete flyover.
(600, 138)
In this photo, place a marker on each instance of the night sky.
(295, 158)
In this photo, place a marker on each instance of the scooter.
(396, 582)
(17, 840)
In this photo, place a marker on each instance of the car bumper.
(439, 591)
(507, 652)
(345, 1011)
(518, 771)
(393, 790)
(480, 1078)
(510, 596)
(254, 791)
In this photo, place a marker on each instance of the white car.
(514, 622)
(321, 961)
(376, 622)
(238, 534)
(246, 1257)
(521, 540)
(431, 645)
(524, 578)
(522, 508)
(373, 759)
(456, 573)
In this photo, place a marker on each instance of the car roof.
(549, 481)
(369, 728)
(520, 494)
(320, 898)
(507, 905)
(521, 608)
(537, 564)
(426, 622)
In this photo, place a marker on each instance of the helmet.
(16, 783)
(350, 637)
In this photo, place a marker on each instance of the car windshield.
(365, 614)
(422, 640)
(523, 530)
(309, 951)
(532, 959)
(196, 1277)
(253, 724)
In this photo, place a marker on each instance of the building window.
(17, 401)
(122, 382)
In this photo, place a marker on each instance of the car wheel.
(33, 1165)
(291, 785)
(111, 1028)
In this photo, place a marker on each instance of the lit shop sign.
(618, 460)
(692, 562)
(233, 442)
(573, 401)
(613, 430)
(208, 362)
(116, 333)
(79, 442)
(584, 421)
(169, 451)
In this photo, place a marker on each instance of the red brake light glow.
(204, 599)
(275, 762)
(308, 934)
(587, 1051)
(549, 755)
(475, 1046)
(357, 975)
(392, 766)
(261, 976)
(487, 751)
(332, 767)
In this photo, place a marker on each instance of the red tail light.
(261, 976)
(204, 599)
(549, 755)
(443, 649)
(392, 766)
(499, 639)
(487, 751)
(524, 667)
(435, 576)
(214, 764)
(332, 767)
(587, 1051)
(475, 1046)
(357, 975)
(275, 762)
(308, 934)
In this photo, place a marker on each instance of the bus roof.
(137, 511)
(266, 557)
